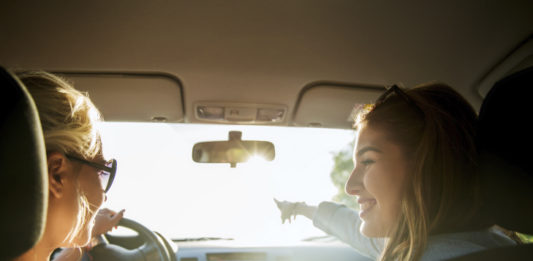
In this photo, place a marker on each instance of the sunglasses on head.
(398, 91)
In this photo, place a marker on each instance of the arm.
(105, 220)
(336, 220)
(305, 210)
(292, 209)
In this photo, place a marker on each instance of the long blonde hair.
(435, 128)
(68, 118)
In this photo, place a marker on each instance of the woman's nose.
(353, 184)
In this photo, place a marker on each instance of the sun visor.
(137, 97)
(332, 105)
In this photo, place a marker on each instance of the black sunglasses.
(398, 91)
(106, 171)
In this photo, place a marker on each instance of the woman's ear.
(57, 169)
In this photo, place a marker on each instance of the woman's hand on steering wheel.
(105, 220)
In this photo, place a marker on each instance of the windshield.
(160, 185)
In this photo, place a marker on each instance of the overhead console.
(240, 113)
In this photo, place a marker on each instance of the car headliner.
(267, 51)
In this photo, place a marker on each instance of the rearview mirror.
(232, 151)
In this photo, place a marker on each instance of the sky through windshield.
(161, 187)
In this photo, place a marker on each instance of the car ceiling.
(267, 51)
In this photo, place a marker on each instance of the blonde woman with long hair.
(78, 174)
(415, 179)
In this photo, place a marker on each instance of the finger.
(104, 211)
(278, 203)
(116, 218)
(119, 215)
(101, 212)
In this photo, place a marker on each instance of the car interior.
(179, 82)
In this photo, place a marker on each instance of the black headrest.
(23, 181)
(506, 142)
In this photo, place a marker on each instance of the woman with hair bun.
(78, 174)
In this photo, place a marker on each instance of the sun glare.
(257, 159)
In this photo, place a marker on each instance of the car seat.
(24, 182)
(505, 143)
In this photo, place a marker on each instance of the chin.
(371, 230)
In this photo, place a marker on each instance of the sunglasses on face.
(106, 171)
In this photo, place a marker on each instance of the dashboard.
(233, 252)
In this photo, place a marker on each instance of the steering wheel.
(152, 249)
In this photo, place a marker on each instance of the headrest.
(505, 142)
(24, 183)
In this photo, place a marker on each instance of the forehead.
(371, 139)
(368, 136)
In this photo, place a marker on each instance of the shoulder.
(457, 244)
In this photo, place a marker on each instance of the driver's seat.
(505, 142)
(23, 178)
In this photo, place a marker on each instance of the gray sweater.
(344, 223)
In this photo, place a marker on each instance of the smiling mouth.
(366, 206)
